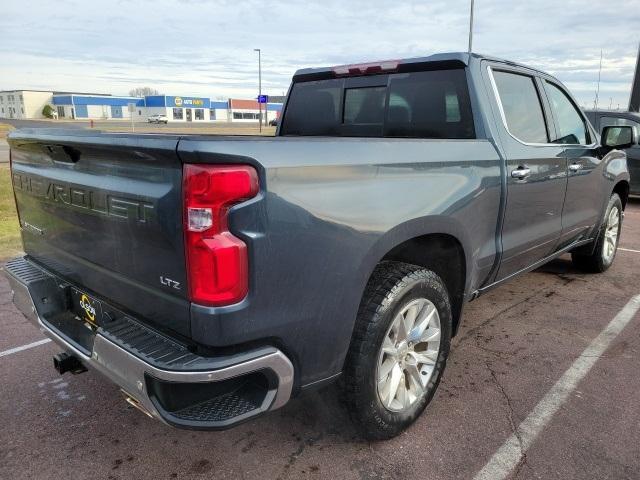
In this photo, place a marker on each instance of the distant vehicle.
(273, 123)
(604, 118)
(213, 278)
(158, 118)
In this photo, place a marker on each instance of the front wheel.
(607, 242)
(399, 349)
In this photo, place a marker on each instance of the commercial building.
(198, 109)
(179, 109)
(95, 106)
(249, 110)
(22, 104)
(28, 104)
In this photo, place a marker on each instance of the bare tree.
(142, 91)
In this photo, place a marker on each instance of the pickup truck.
(213, 278)
(605, 118)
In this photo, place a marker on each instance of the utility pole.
(259, 86)
(471, 28)
(598, 89)
(634, 98)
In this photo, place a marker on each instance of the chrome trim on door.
(496, 94)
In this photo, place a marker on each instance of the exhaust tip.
(64, 362)
(134, 402)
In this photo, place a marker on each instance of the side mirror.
(619, 137)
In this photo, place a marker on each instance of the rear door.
(104, 211)
(536, 169)
(585, 189)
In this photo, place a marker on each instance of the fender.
(431, 224)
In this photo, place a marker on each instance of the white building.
(23, 104)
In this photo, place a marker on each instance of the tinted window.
(429, 105)
(313, 108)
(569, 123)
(521, 106)
(364, 105)
(432, 104)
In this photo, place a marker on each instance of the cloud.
(206, 47)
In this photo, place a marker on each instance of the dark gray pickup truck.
(605, 118)
(214, 278)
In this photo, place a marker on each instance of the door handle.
(575, 167)
(521, 172)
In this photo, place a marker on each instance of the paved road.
(515, 344)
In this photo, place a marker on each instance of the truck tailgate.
(104, 211)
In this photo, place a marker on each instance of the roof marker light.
(366, 68)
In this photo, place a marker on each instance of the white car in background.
(158, 118)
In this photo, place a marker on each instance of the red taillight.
(366, 68)
(217, 263)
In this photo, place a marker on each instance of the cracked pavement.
(514, 344)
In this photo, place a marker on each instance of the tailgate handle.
(62, 153)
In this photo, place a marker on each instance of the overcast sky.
(200, 47)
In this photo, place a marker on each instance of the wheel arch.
(622, 189)
(437, 243)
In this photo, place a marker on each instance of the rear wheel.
(607, 241)
(399, 349)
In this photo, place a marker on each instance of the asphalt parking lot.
(518, 345)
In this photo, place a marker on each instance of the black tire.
(392, 287)
(597, 261)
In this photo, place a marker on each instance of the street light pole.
(471, 27)
(259, 86)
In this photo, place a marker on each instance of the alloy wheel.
(611, 235)
(408, 355)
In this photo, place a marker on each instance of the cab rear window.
(429, 104)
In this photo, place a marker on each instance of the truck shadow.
(561, 267)
(315, 415)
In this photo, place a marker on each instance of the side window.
(570, 124)
(521, 106)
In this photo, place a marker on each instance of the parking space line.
(24, 347)
(628, 250)
(512, 451)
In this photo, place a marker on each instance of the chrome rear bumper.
(118, 353)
